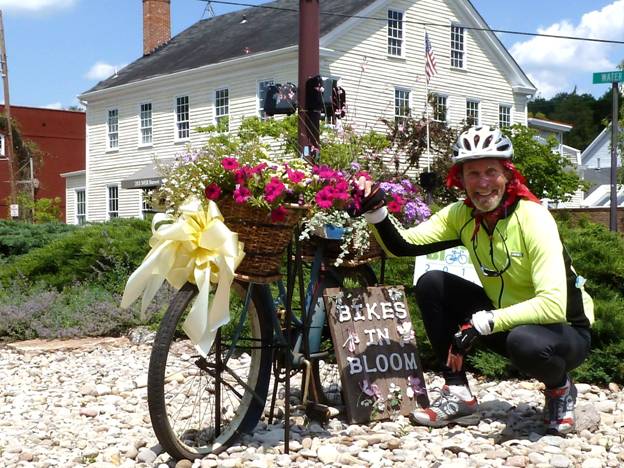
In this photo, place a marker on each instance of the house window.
(81, 206)
(182, 118)
(401, 104)
(113, 201)
(504, 116)
(2, 149)
(262, 88)
(222, 107)
(472, 112)
(395, 33)
(146, 123)
(147, 206)
(440, 109)
(113, 129)
(457, 47)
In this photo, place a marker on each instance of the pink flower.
(212, 192)
(229, 164)
(341, 190)
(278, 214)
(241, 175)
(324, 198)
(295, 176)
(257, 169)
(241, 194)
(273, 189)
(396, 205)
(325, 172)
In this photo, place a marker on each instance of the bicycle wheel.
(325, 386)
(196, 409)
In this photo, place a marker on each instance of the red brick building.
(60, 136)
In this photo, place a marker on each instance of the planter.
(330, 240)
(265, 240)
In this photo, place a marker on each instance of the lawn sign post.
(613, 77)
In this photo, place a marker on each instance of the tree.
(548, 173)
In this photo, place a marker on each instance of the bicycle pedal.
(317, 412)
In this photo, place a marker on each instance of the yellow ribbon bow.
(197, 247)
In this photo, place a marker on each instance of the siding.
(72, 183)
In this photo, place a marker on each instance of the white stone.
(327, 453)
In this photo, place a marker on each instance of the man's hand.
(374, 198)
(460, 344)
(483, 321)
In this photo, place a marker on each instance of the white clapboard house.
(220, 66)
(596, 165)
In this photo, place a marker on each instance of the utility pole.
(613, 223)
(7, 112)
(309, 65)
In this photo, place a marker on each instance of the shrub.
(104, 253)
(18, 238)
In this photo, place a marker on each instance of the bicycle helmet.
(482, 142)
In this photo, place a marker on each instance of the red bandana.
(514, 190)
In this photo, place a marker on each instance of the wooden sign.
(376, 352)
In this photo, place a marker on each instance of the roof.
(549, 125)
(227, 36)
(596, 143)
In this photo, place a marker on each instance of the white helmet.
(482, 142)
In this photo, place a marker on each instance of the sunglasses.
(489, 272)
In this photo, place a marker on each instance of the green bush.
(103, 253)
(18, 238)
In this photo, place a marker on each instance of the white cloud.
(551, 62)
(54, 105)
(101, 70)
(36, 5)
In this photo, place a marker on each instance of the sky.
(57, 49)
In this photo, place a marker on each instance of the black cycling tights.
(544, 352)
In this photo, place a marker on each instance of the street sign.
(14, 211)
(609, 77)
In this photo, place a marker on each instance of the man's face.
(485, 182)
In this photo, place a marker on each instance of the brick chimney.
(156, 24)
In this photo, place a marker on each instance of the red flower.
(279, 214)
(241, 194)
(212, 192)
(229, 164)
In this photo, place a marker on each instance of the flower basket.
(331, 241)
(265, 240)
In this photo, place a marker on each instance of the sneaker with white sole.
(559, 409)
(446, 409)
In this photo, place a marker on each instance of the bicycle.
(199, 405)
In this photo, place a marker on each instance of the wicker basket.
(265, 240)
(332, 250)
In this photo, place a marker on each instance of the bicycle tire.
(325, 386)
(182, 386)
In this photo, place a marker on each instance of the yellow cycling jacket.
(535, 282)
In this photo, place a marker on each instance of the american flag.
(430, 61)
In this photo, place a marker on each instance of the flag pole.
(427, 107)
